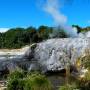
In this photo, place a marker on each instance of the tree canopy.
(18, 37)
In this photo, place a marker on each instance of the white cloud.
(53, 8)
(3, 29)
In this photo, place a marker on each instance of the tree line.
(18, 37)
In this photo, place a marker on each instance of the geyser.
(53, 8)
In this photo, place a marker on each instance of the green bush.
(68, 87)
(15, 80)
(16, 74)
(84, 83)
(85, 59)
(37, 82)
(16, 84)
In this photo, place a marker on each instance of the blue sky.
(24, 13)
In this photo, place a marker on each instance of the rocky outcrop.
(55, 54)
(50, 55)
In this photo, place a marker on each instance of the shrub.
(85, 59)
(37, 82)
(84, 83)
(15, 80)
(68, 87)
(16, 74)
(16, 84)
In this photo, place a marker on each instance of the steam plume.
(53, 7)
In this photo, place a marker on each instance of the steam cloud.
(53, 7)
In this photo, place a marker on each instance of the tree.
(78, 28)
(18, 37)
(58, 33)
(44, 32)
(31, 31)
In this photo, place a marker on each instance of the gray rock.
(50, 55)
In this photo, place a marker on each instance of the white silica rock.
(84, 34)
(49, 55)
(55, 54)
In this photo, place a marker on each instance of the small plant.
(68, 87)
(87, 76)
(32, 81)
(16, 84)
(84, 83)
(15, 80)
(85, 59)
(84, 65)
(37, 82)
(16, 74)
